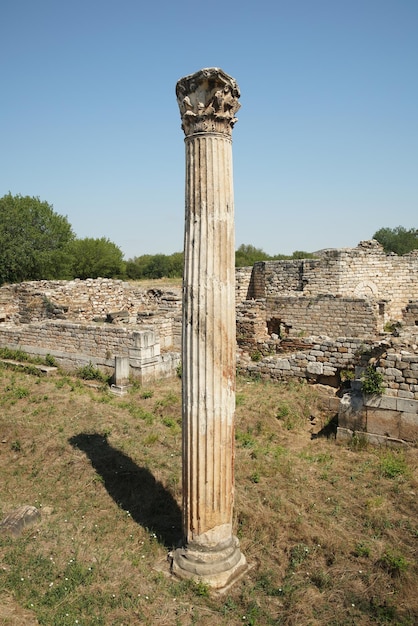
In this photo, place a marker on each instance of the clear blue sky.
(325, 150)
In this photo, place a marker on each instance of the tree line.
(37, 243)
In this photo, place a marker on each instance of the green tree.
(176, 264)
(33, 240)
(91, 258)
(301, 254)
(247, 255)
(158, 266)
(155, 266)
(399, 239)
(133, 271)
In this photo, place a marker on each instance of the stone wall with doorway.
(365, 272)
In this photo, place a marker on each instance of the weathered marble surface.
(208, 101)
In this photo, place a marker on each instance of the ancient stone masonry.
(308, 319)
(242, 283)
(320, 319)
(410, 314)
(94, 320)
(390, 417)
(74, 345)
(387, 282)
(315, 359)
(85, 301)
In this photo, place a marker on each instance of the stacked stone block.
(242, 283)
(85, 300)
(327, 315)
(74, 345)
(316, 360)
(364, 272)
(410, 315)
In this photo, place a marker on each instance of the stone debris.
(15, 522)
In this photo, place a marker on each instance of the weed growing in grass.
(393, 562)
(61, 382)
(50, 360)
(170, 399)
(322, 458)
(298, 554)
(14, 355)
(20, 392)
(255, 477)
(239, 399)
(362, 549)
(358, 442)
(392, 464)
(138, 412)
(150, 439)
(321, 579)
(91, 372)
(200, 589)
(288, 418)
(266, 583)
(171, 423)
(283, 411)
(244, 439)
(23, 357)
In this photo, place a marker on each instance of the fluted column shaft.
(208, 340)
(208, 101)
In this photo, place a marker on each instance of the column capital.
(208, 101)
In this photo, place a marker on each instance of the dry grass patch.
(158, 283)
(331, 530)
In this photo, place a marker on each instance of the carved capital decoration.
(208, 101)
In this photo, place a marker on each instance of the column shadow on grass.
(133, 488)
(329, 431)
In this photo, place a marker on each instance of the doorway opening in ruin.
(277, 327)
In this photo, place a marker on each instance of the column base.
(217, 567)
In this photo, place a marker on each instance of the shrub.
(50, 360)
(372, 382)
(91, 372)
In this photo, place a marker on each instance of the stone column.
(208, 101)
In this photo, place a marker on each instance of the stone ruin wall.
(389, 418)
(308, 319)
(74, 345)
(324, 360)
(300, 289)
(366, 271)
(317, 319)
(78, 322)
(325, 315)
(83, 300)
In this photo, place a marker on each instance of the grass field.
(330, 530)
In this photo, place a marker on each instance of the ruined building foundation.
(208, 101)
